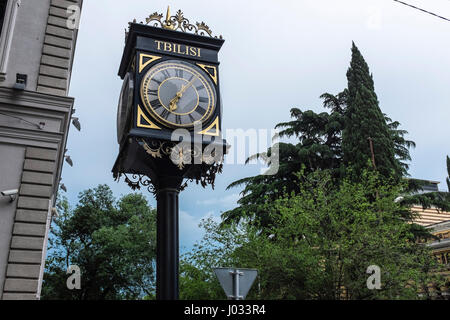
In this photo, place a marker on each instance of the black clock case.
(141, 40)
(132, 158)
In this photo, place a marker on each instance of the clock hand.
(183, 88)
(174, 101)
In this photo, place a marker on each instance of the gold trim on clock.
(215, 126)
(143, 64)
(141, 115)
(205, 67)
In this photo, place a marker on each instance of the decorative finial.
(168, 24)
(179, 23)
(168, 15)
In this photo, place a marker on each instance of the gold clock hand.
(173, 103)
(183, 88)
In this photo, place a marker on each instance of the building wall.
(11, 163)
(27, 42)
(438, 223)
(33, 160)
(429, 216)
(34, 124)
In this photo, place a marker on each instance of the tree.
(323, 242)
(216, 249)
(320, 145)
(348, 229)
(366, 135)
(112, 242)
(438, 199)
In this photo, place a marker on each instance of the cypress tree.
(366, 136)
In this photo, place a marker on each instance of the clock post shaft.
(167, 261)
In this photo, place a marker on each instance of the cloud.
(190, 232)
(228, 201)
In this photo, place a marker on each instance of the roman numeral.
(156, 80)
(200, 110)
(166, 74)
(203, 99)
(178, 119)
(152, 92)
(191, 77)
(165, 114)
(200, 87)
(156, 104)
(179, 73)
(191, 118)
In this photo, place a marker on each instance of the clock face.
(178, 94)
(125, 104)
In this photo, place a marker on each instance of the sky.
(277, 55)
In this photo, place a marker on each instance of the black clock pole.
(167, 265)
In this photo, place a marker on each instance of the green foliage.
(113, 243)
(328, 141)
(318, 147)
(439, 199)
(337, 218)
(347, 229)
(216, 249)
(324, 239)
(364, 120)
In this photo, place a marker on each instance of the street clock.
(169, 120)
(171, 80)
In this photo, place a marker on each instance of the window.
(8, 14)
(3, 4)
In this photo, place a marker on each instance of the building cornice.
(53, 110)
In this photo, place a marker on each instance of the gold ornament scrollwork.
(178, 23)
(154, 152)
(180, 154)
